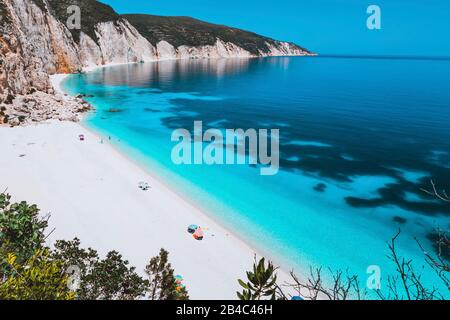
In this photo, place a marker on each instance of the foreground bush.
(38, 278)
(29, 270)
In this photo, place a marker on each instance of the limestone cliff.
(35, 41)
(33, 45)
(187, 35)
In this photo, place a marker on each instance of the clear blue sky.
(409, 27)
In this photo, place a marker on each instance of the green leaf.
(243, 284)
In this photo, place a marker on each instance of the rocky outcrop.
(282, 49)
(219, 50)
(34, 45)
(40, 106)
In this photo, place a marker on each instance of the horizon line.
(386, 57)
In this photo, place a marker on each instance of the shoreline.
(222, 256)
(283, 264)
(283, 269)
(91, 192)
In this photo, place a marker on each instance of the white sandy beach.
(91, 192)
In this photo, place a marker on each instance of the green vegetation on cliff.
(192, 32)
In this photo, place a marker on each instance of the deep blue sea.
(359, 138)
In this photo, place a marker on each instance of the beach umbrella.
(297, 298)
(178, 279)
(192, 228)
(198, 235)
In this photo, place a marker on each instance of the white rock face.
(43, 37)
(165, 51)
(121, 43)
(36, 45)
(230, 50)
(283, 49)
(219, 50)
(223, 49)
(90, 53)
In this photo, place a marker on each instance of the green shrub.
(29, 270)
(21, 229)
(38, 278)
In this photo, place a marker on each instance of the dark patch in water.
(114, 110)
(374, 136)
(320, 187)
(399, 220)
(393, 194)
(327, 162)
(151, 110)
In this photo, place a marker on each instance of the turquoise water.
(359, 138)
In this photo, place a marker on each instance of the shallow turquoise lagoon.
(359, 138)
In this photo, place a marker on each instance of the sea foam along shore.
(91, 191)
